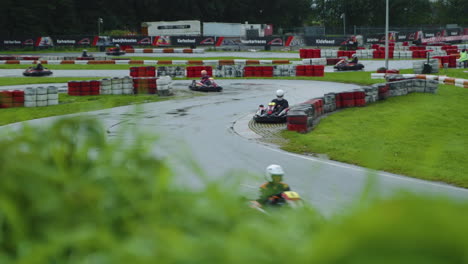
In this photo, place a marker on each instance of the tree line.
(69, 17)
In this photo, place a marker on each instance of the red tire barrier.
(145, 85)
(309, 53)
(298, 123)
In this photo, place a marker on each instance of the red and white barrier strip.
(441, 79)
(159, 62)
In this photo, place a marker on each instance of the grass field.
(74, 104)
(420, 135)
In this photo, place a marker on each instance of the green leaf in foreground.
(71, 195)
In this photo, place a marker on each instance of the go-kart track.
(216, 132)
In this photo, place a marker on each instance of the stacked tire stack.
(309, 53)
(127, 85)
(329, 102)
(84, 88)
(310, 70)
(106, 87)
(344, 99)
(164, 86)
(195, 71)
(173, 71)
(121, 86)
(372, 94)
(380, 54)
(419, 54)
(144, 81)
(30, 97)
(364, 54)
(9, 99)
(284, 70)
(149, 71)
(328, 53)
(230, 71)
(40, 96)
(359, 97)
(317, 106)
(52, 95)
(300, 118)
(346, 53)
(431, 86)
(258, 71)
(383, 89)
(145, 85)
(116, 86)
(449, 49)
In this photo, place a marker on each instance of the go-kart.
(285, 199)
(31, 71)
(270, 114)
(115, 52)
(209, 86)
(347, 66)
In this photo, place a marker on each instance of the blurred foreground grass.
(69, 195)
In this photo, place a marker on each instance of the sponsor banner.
(452, 32)
(44, 42)
(162, 41)
(263, 41)
(325, 41)
(131, 40)
(230, 41)
(380, 38)
(445, 39)
(433, 33)
(374, 39)
(412, 36)
(73, 40)
(295, 41)
(219, 41)
(192, 40)
(402, 36)
(18, 42)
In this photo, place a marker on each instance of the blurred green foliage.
(69, 194)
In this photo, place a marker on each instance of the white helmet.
(274, 169)
(354, 55)
(279, 93)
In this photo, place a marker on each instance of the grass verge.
(8, 81)
(74, 104)
(419, 135)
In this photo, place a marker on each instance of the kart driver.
(205, 78)
(84, 54)
(354, 59)
(270, 192)
(280, 102)
(39, 66)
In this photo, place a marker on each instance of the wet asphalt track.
(213, 131)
